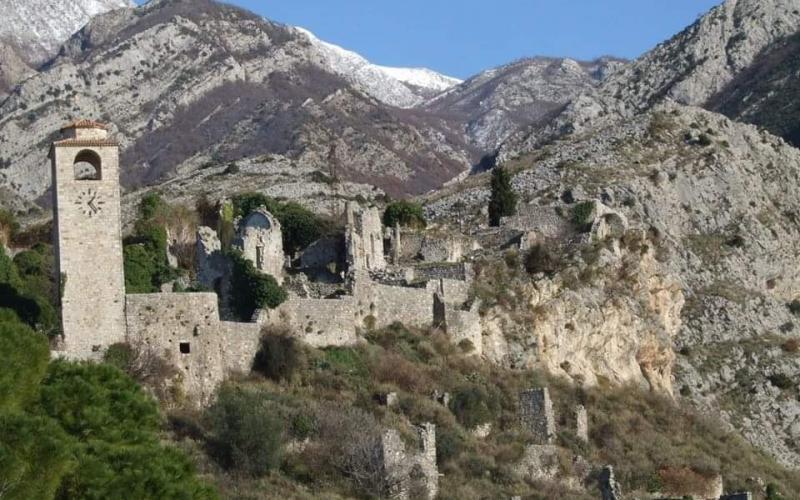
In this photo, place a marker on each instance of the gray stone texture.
(88, 243)
(364, 239)
(537, 416)
(260, 239)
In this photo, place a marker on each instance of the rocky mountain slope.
(37, 28)
(766, 93)
(200, 85)
(13, 68)
(498, 102)
(719, 200)
(690, 68)
(401, 87)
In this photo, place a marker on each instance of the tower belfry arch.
(88, 240)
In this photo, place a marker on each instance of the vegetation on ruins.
(28, 288)
(300, 226)
(324, 420)
(70, 430)
(145, 252)
(503, 201)
(405, 213)
(252, 290)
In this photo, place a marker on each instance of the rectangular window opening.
(185, 347)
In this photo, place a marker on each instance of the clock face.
(90, 202)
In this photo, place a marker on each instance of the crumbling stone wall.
(323, 253)
(545, 222)
(185, 329)
(537, 416)
(386, 304)
(410, 474)
(427, 272)
(260, 239)
(364, 239)
(318, 322)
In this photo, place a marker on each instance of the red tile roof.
(84, 124)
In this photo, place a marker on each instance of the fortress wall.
(318, 322)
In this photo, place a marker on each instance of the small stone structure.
(609, 487)
(746, 495)
(410, 474)
(364, 239)
(260, 239)
(537, 416)
(581, 423)
(539, 463)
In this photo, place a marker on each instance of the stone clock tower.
(86, 200)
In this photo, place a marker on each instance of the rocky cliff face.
(12, 69)
(720, 201)
(691, 68)
(766, 93)
(37, 28)
(191, 86)
(498, 102)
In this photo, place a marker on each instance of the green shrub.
(35, 455)
(794, 307)
(503, 200)
(279, 357)
(582, 214)
(406, 214)
(98, 401)
(145, 253)
(8, 226)
(247, 431)
(25, 357)
(300, 226)
(543, 258)
(474, 406)
(781, 381)
(253, 290)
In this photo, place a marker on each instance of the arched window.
(87, 166)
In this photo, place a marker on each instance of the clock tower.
(86, 201)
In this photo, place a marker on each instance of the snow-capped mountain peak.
(401, 87)
(38, 27)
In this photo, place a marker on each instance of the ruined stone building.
(260, 239)
(188, 329)
(364, 239)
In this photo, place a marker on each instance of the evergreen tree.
(503, 202)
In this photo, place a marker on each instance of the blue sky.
(463, 37)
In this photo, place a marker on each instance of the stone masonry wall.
(389, 304)
(185, 329)
(318, 322)
(537, 416)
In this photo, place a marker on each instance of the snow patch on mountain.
(37, 28)
(401, 87)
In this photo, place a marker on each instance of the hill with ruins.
(627, 330)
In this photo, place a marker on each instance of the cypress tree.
(503, 202)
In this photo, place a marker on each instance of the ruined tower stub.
(536, 414)
(260, 239)
(364, 239)
(86, 201)
(582, 423)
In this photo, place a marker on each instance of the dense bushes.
(279, 357)
(247, 431)
(543, 258)
(85, 431)
(300, 226)
(503, 200)
(252, 290)
(145, 253)
(473, 406)
(404, 213)
(28, 287)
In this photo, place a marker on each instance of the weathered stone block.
(537, 416)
